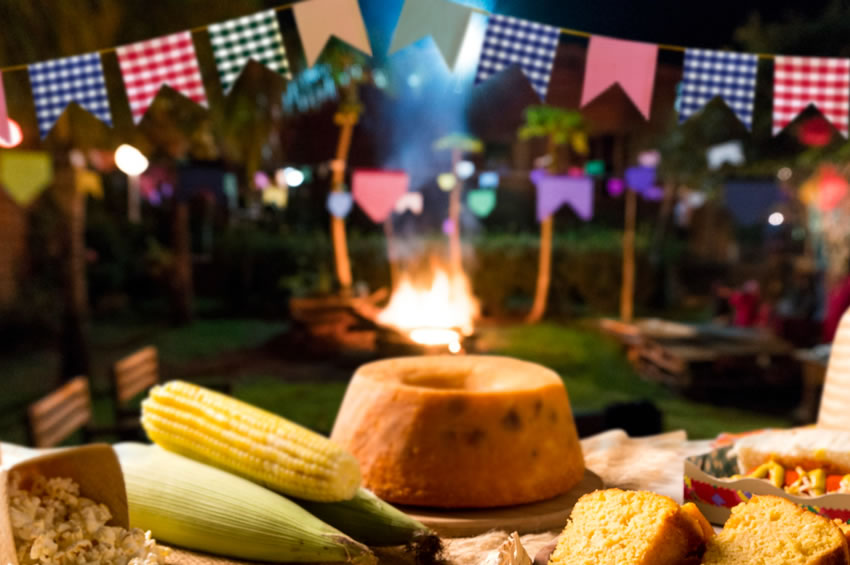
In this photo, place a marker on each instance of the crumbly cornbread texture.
(617, 527)
(775, 531)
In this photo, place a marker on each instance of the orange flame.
(438, 315)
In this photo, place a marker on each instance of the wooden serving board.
(549, 514)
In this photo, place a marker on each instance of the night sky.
(699, 24)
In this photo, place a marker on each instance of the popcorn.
(53, 525)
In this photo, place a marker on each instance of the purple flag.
(640, 178)
(553, 191)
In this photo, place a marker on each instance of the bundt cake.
(460, 431)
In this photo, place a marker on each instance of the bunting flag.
(481, 201)
(731, 76)
(629, 63)
(318, 20)
(511, 41)
(239, 40)
(377, 192)
(5, 131)
(553, 191)
(410, 202)
(57, 83)
(822, 82)
(25, 174)
(731, 152)
(339, 204)
(446, 23)
(147, 65)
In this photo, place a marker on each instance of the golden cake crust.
(454, 432)
(618, 527)
(772, 529)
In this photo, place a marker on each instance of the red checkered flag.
(819, 81)
(148, 65)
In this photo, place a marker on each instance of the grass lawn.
(593, 367)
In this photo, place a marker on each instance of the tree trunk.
(627, 290)
(181, 280)
(544, 272)
(75, 347)
(544, 265)
(346, 123)
(455, 250)
(75, 316)
(392, 252)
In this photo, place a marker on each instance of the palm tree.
(340, 59)
(559, 127)
(459, 144)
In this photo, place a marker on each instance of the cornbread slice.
(775, 531)
(617, 527)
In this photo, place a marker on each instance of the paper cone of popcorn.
(94, 467)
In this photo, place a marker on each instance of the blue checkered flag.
(512, 41)
(731, 76)
(57, 83)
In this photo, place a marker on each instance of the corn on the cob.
(370, 520)
(243, 439)
(195, 506)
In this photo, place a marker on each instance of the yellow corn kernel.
(243, 439)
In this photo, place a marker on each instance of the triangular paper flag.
(512, 41)
(25, 174)
(446, 23)
(57, 83)
(377, 192)
(148, 65)
(553, 191)
(410, 202)
(5, 132)
(629, 63)
(819, 81)
(276, 196)
(339, 204)
(237, 41)
(88, 182)
(481, 201)
(730, 152)
(640, 179)
(318, 20)
(729, 75)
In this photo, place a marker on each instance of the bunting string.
(508, 41)
(284, 7)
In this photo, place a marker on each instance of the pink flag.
(377, 192)
(318, 20)
(5, 132)
(630, 63)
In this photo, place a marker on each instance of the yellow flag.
(88, 182)
(25, 174)
(276, 196)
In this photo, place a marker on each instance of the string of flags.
(508, 41)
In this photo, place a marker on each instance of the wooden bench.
(55, 417)
(131, 376)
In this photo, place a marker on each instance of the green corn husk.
(370, 520)
(198, 507)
